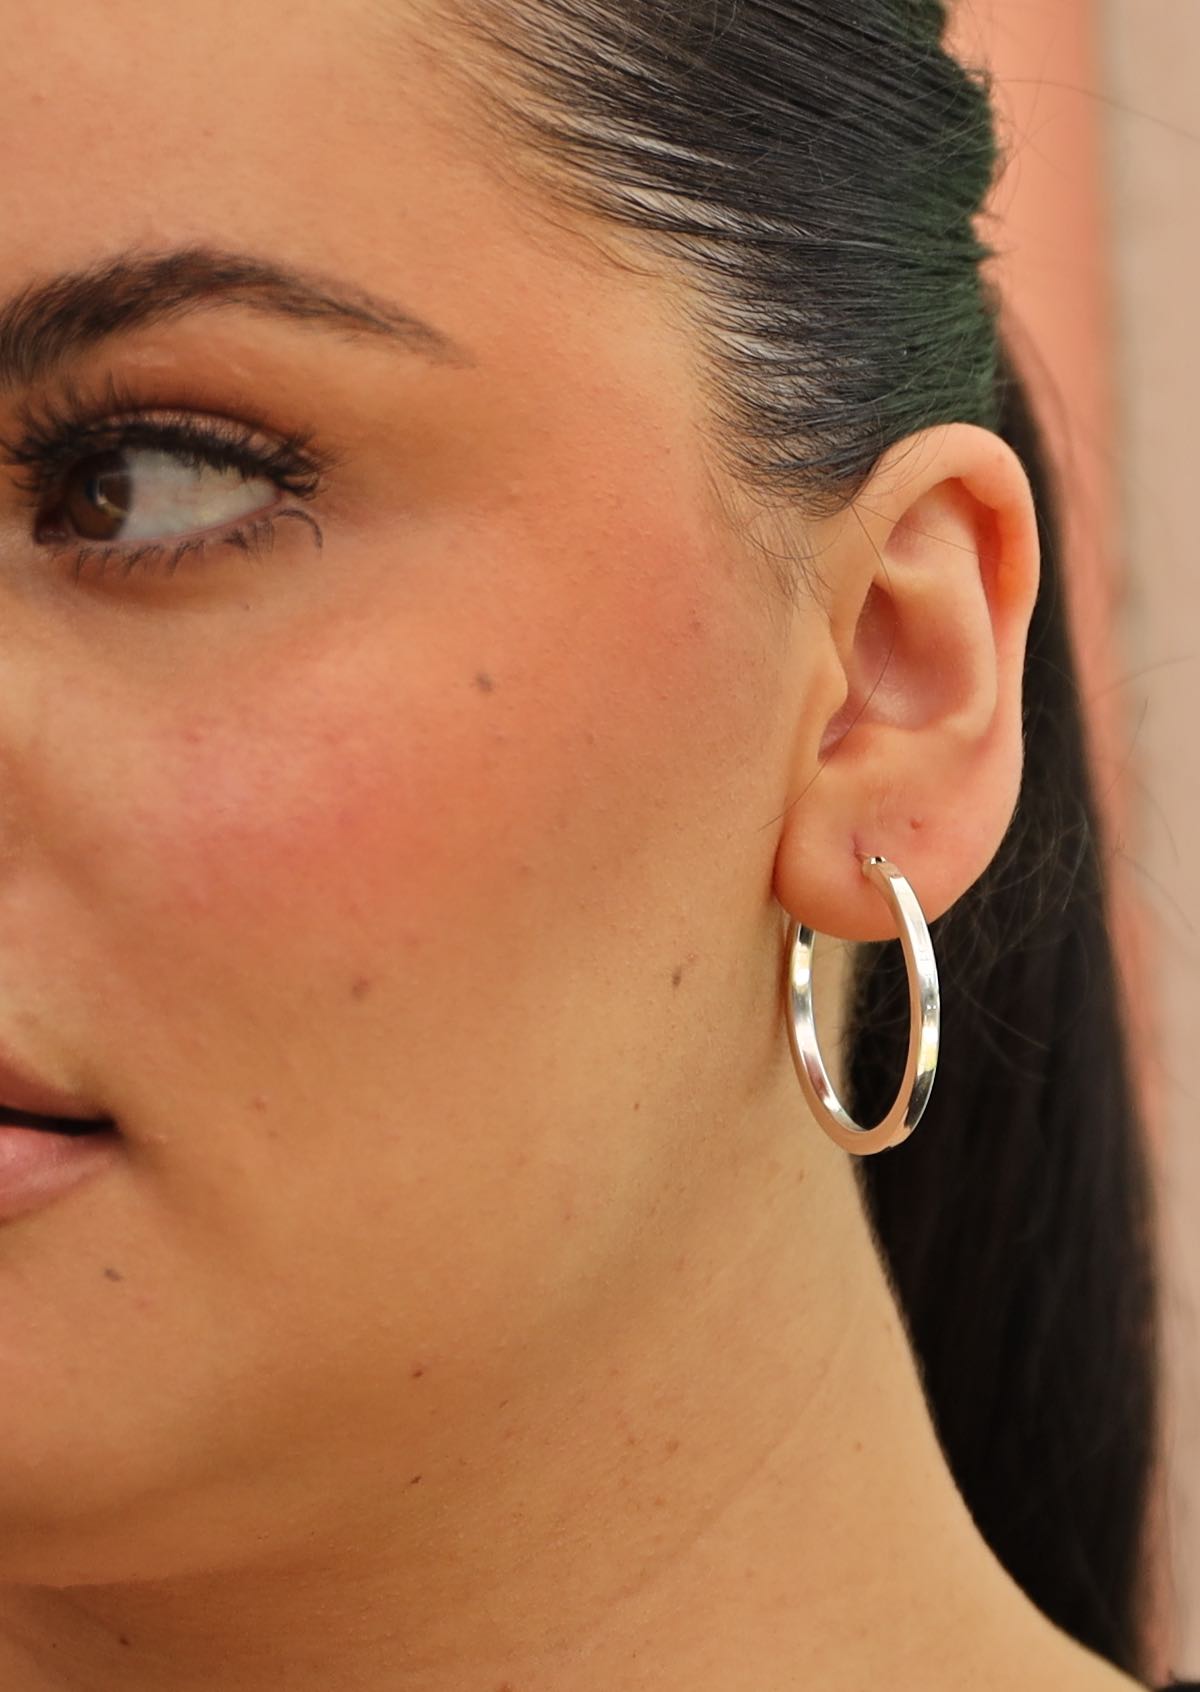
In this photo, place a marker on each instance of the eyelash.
(53, 440)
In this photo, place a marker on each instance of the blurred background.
(1097, 230)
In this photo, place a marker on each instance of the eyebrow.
(50, 322)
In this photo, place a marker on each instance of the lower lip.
(36, 1167)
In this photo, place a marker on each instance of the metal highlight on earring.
(924, 1018)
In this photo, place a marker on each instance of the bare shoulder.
(1100, 1676)
(1076, 1669)
(1021, 1650)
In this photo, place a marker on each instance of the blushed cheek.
(337, 824)
(363, 801)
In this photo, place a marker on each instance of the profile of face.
(402, 863)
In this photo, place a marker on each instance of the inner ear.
(866, 665)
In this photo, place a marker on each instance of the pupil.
(97, 500)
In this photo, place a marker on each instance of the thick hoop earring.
(924, 1016)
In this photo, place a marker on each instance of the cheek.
(358, 804)
(349, 790)
(328, 807)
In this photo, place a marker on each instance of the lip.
(24, 1092)
(38, 1167)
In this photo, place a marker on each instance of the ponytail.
(1016, 1224)
(815, 171)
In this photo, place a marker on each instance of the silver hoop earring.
(924, 1018)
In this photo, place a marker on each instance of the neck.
(736, 1483)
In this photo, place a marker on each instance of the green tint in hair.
(814, 171)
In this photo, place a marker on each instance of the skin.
(474, 1304)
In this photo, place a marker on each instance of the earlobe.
(935, 576)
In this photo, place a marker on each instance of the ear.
(930, 581)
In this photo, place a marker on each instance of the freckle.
(114, 1275)
(414, 1480)
(659, 1500)
(676, 976)
(637, 1104)
(121, 1639)
(360, 987)
(418, 1370)
(484, 682)
(632, 1439)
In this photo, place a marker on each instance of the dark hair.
(815, 170)
(1020, 1233)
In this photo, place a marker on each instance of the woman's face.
(389, 885)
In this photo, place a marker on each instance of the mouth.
(54, 1124)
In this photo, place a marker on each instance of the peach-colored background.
(1098, 261)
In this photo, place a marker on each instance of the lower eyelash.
(57, 434)
(253, 538)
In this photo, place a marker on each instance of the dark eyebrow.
(52, 321)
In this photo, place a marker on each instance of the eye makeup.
(58, 442)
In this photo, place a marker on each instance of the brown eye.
(142, 493)
(96, 502)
